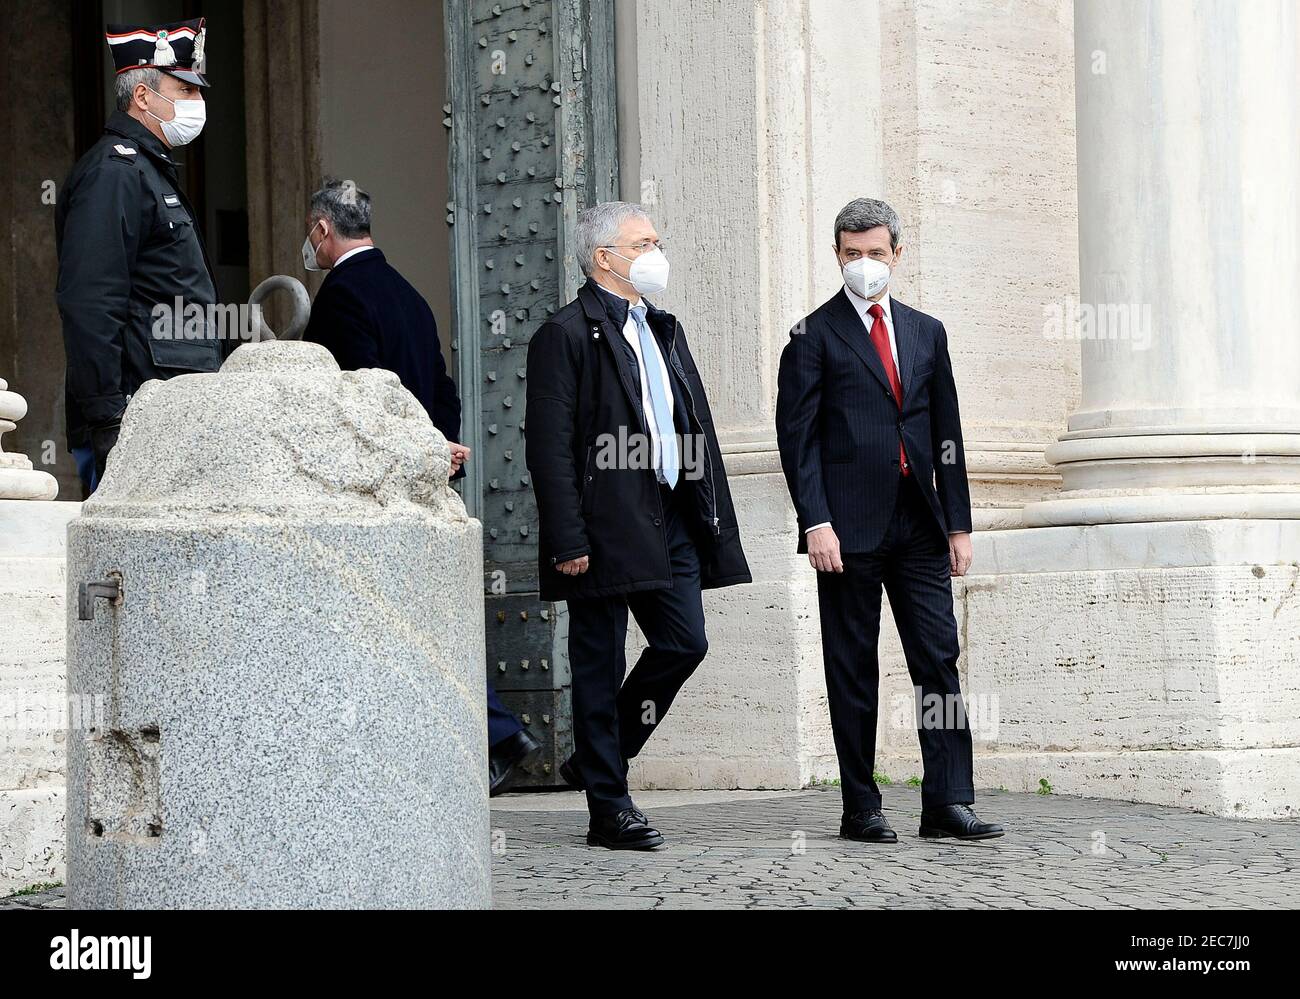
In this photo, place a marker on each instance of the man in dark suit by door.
(871, 445)
(368, 316)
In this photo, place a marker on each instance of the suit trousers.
(911, 563)
(612, 716)
(501, 723)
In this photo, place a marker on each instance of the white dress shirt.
(660, 371)
(863, 307)
(362, 249)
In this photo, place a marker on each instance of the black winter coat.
(581, 395)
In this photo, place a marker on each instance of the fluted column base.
(1172, 476)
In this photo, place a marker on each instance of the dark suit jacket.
(369, 316)
(838, 425)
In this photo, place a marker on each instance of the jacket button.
(658, 522)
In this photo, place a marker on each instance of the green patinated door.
(533, 141)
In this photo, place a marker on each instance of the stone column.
(283, 124)
(36, 152)
(1142, 644)
(1189, 247)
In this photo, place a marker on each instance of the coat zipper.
(690, 398)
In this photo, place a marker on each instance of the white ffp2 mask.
(648, 273)
(866, 277)
(309, 253)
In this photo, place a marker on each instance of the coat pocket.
(184, 355)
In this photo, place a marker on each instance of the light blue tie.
(668, 463)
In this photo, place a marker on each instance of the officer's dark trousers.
(912, 565)
(612, 723)
(85, 459)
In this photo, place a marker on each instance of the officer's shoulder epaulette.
(123, 152)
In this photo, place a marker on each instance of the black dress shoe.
(625, 830)
(505, 756)
(867, 827)
(956, 822)
(569, 774)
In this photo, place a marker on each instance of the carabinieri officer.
(127, 240)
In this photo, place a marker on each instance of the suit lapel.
(848, 326)
(905, 339)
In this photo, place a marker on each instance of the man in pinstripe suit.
(871, 445)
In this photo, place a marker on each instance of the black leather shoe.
(867, 827)
(956, 822)
(505, 756)
(625, 830)
(569, 774)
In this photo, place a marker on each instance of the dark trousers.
(501, 723)
(912, 565)
(85, 459)
(613, 717)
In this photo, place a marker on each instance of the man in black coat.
(368, 316)
(128, 245)
(634, 508)
(871, 444)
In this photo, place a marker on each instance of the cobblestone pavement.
(52, 899)
(783, 852)
(779, 850)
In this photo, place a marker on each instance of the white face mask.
(648, 273)
(310, 252)
(185, 127)
(866, 277)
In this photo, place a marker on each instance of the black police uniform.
(127, 241)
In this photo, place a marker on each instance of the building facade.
(1107, 230)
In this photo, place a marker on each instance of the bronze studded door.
(533, 141)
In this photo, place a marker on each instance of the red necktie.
(880, 340)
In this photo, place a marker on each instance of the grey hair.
(599, 226)
(126, 81)
(862, 214)
(345, 205)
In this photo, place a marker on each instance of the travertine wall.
(979, 142)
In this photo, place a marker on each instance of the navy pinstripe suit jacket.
(837, 424)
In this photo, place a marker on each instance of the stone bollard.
(279, 599)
